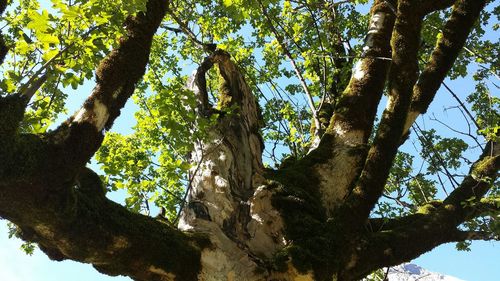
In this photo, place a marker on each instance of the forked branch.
(404, 69)
(116, 77)
(454, 35)
(60, 205)
(402, 77)
(435, 223)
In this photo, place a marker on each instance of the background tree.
(299, 78)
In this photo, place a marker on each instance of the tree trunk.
(229, 198)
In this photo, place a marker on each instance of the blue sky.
(482, 263)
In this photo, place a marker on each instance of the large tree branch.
(75, 141)
(386, 244)
(116, 76)
(80, 224)
(61, 206)
(433, 224)
(402, 77)
(454, 35)
(393, 247)
(342, 149)
(356, 109)
(486, 205)
(479, 181)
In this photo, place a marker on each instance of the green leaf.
(39, 23)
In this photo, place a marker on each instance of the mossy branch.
(488, 205)
(454, 35)
(430, 6)
(402, 77)
(433, 224)
(344, 144)
(88, 228)
(116, 77)
(357, 106)
(392, 247)
(44, 190)
(475, 186)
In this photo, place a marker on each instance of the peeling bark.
(228, 197)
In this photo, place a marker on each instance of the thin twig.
(456, 131)
(26, 90)
(462, 105)
(188, 32)
(295, 67)
(441, 162)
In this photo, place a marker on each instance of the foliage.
(15, 231)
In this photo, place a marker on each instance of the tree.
(343, 202)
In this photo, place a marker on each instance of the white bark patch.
(119, 243)
(358, 72)
(339, 172)
(390, 104)
(314, 143)
(376, 22)
(166, 276)
(266, 225)
(211, 180)
(348, 136)
(225, 260)
(226, 170)
(410, 119)
(97, 116)
(191, 83)
(337, 176)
